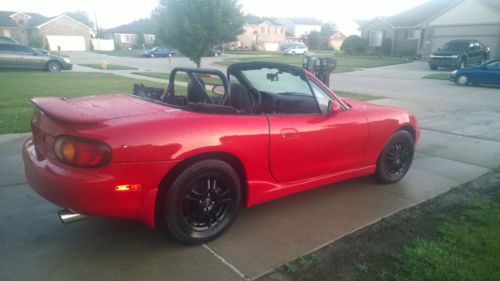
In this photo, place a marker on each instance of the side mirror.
(218, 90)
(333, 108)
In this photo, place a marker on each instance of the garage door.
(271, 46)
(67, 43)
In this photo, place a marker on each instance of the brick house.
(260, 34)
(127, 36)
(297, 28)
(333, 41)
(61, 31)
(423, 29)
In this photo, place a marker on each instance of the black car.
(158, 52)
(459, 54)
(21, 57)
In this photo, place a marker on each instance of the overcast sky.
(112, 13)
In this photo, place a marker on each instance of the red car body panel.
(280, 155)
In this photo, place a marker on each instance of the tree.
(328, 29)
(313, 40)
(194, 27)
(353, 45)
(81, 16)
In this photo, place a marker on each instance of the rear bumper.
(92, 191)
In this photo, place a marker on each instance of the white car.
(295, 49)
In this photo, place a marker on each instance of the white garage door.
(271, 46)
(67, 43)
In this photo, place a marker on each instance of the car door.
(489, 74)
(28, 58)
(305, 146)
(8, 57)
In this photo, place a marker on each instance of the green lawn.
(109, 66)
(438, 76)
(468, 248)
(19, 86)
(342, 60)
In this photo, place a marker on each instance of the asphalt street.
(460, 141)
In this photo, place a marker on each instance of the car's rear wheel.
(434, 67)
(54, 66)
(152, 55)
(305, 53)
(202, 202)
(463, 80)
(293, 53)
(396, 158)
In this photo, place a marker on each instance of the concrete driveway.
(460, 141)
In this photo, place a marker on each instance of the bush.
(353, 45)
(386, 46)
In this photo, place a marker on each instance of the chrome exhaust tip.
(68, 216)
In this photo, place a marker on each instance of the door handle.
(289, 133)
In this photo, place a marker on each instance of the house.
(136, 35)
(297, 28)
(333, 41)
(260, 34)
(423, 29)
(60, 32)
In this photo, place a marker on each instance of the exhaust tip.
(68, 216)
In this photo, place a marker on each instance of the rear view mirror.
(218, 90)
(333, 107)
(272, 77)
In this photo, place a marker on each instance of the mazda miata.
(188, 156)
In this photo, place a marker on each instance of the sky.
(111, 13)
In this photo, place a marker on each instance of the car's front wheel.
(463, 80)
(202, 202)
(396, 158)
(54, 66)
(433, 67)
(152, 55)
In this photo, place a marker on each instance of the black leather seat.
(195, 93)
(241, 99)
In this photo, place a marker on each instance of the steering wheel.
(257, 98)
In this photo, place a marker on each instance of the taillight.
(81, 152)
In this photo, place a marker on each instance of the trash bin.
(321, 67)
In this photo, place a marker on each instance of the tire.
(396, 158)
(152, 55)
(463, 80)
(54, 66)
(305, 53)
(434, 67)
(293, 53)
(202, 202)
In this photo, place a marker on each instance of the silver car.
(22, 57)
(294, 49)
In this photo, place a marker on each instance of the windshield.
(277, 81)
(455, 46)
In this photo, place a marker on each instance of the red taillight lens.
(81, 152)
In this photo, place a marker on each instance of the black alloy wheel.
(202, 202)
(396, 158)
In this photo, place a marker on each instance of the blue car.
(158, 52)
(485, 74)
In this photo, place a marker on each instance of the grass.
(343, 61)
(468, 248)
(357, 96)
(109, 66)
(180, 76)
(19, 86)
(438, 76)
(301, 262)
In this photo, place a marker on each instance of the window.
(149, 38)
(412, 34)
(285, 83)
(322, 97)
(125, 38)
(21, 23)
(375, 39)
(263, 29)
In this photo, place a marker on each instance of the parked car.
(459, 54)
(487, 74)
(295, 49)
(272, 131)
(8, 40)
(22, 57)
(158, 52)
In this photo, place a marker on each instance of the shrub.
(353, 45)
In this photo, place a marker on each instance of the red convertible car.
(188, 158)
